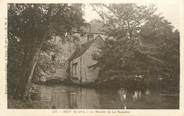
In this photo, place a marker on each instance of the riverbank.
(131, 84)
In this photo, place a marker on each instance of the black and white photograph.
(93, 56)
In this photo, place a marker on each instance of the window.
(74, 66)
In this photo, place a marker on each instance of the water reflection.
(137, 95)
(65, 97)
(123, 93)
(147, 92)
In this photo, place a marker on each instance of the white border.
(59, 112)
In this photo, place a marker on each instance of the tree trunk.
(27, 92)
(29, 65)
(19, 90)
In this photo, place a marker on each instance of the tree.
(129, 27)
(160, 32)
(33, 25)
(122, 25)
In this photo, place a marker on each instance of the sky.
(170, 10)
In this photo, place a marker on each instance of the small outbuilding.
(81, 63)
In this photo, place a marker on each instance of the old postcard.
(91, 57)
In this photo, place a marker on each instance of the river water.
(74, 97)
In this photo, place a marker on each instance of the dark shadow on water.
(75, 97)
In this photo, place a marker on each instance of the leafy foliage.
(138, 42)
(34, 25)
(160, 32)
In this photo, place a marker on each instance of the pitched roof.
(80, 50)
(83, 48)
